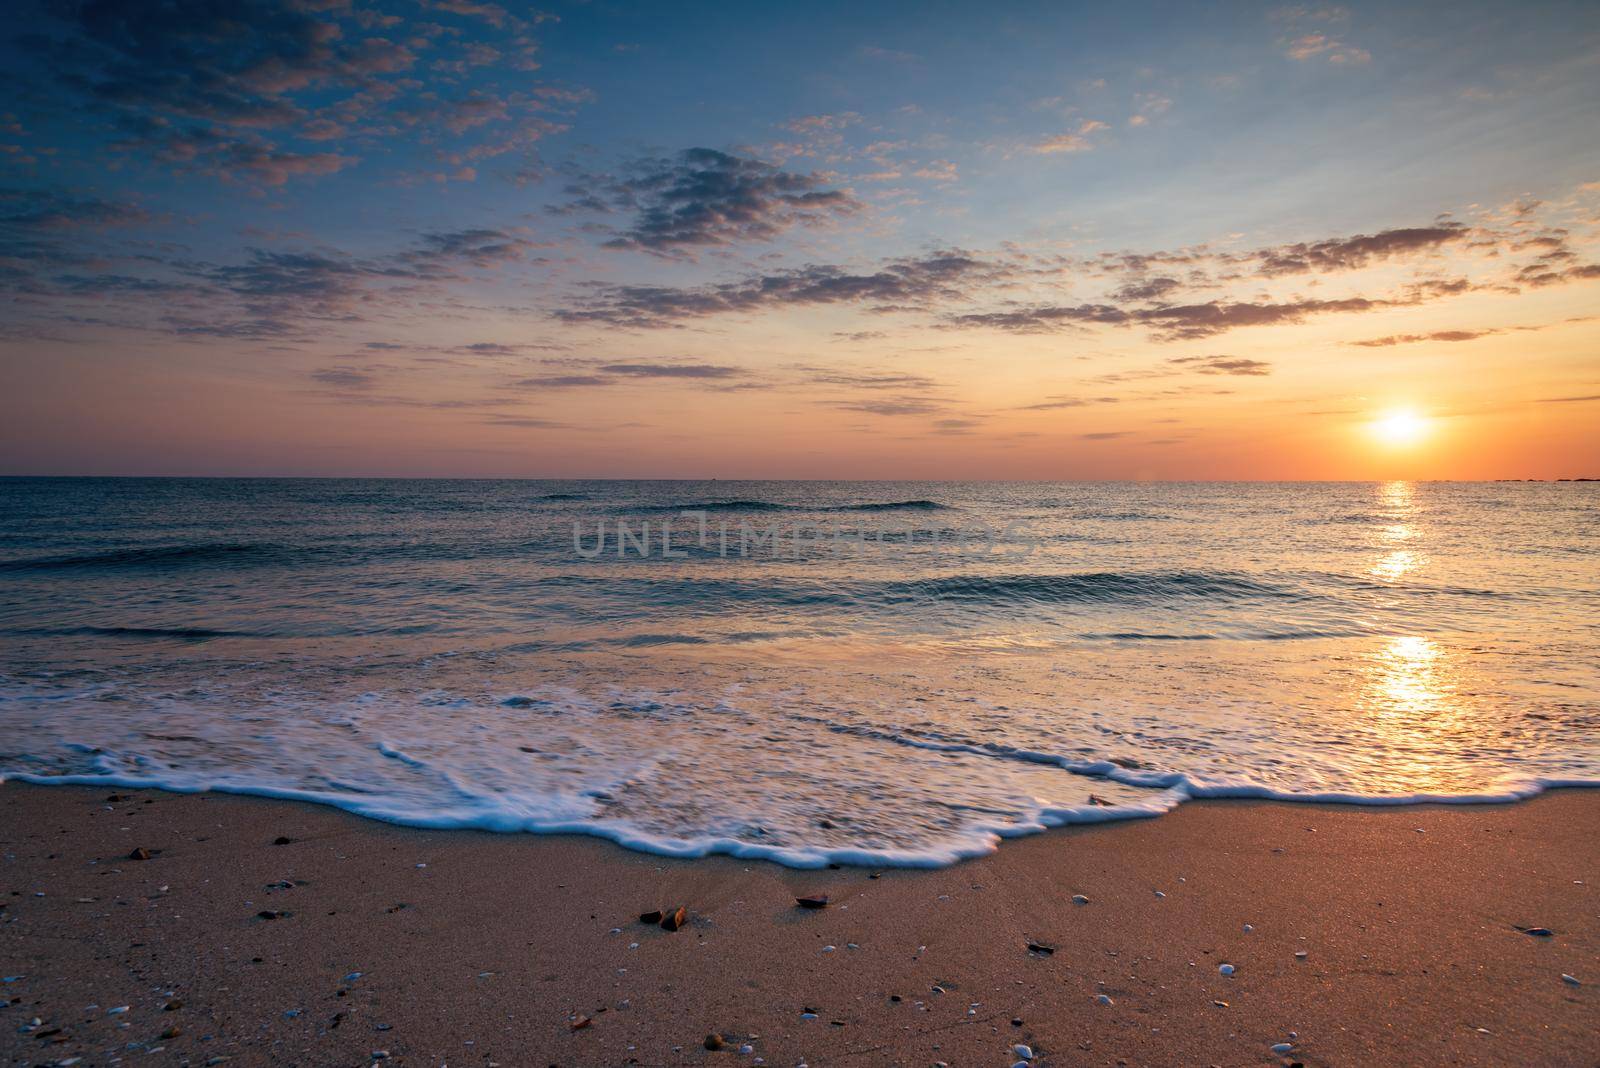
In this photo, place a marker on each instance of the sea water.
(812, 672)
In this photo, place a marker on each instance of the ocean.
(885, 673)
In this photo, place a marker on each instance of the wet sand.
(480, 949)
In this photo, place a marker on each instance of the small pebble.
(1226, 969)
(1079, 899)
(1570, 980)
(1248, 928)
(1160, 894)
(1283, 1047)
(1300, 954)
(1024, 1053)
(1104, 999)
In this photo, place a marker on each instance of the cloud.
(479, 247)
(1570, 400)
(223, 88)
(672, 370)
(1058, 403)
(856, 380)
(1350, 253)
(1539, 276)
(345, 378)
(564, 381)
(1312, 45)
(1076, 141)
(703, 198)
(1105, 435)
(493, 14)
(1169, 322)
(955, 426)
(1224, 365)
(903, 283)
(905, 406)
(40, 209)
(1437, 335)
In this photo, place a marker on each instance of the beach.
(261, 931)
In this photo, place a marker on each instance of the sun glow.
(1400, 426)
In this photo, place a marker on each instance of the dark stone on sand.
(1040, 947)
(171, 1032)
(653, 916)
(1538, 932)
(817, 901)
(268, 914)
(714, 1042)
(114, 797)
(141, 853)
(675, 919)
(172, 1006)
(1016, 1021)
(826, 825)
(282, 839)
(580, 1023)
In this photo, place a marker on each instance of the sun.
(1400, 426)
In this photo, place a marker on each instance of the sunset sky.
(925, 240)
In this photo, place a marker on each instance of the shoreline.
(1171, 797)
(478, 947)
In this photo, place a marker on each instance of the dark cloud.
(1052, 404)
(1147, 289)
(481, 248)
(672, 370)
(217, 87)
(1169, 322)
(1348, 253)
(905, 406)
(1541, 275)
(955, 426)
(868, 381)
(1224, 365)
(1437, 335)
(345, 378)
(262, 329)
(526, 422)
(703, 197)
(1105, 435)
(917, 282)
(563, 381)
(39, 209)
(1570, 400)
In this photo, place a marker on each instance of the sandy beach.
(1356, 935)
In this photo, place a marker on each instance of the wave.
(891, 506)
(154, 556)
(774, 506)
(186, 634)
(1092, 587)
(564, 497)
(486, 813)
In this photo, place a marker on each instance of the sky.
(830, 240)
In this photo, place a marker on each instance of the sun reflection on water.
(1395, 560)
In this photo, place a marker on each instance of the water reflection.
(1408, 677)
(1396, 559)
